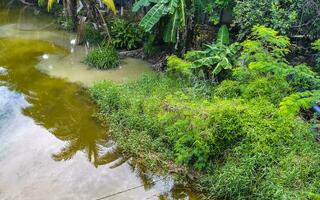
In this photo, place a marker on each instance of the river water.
(51, 145)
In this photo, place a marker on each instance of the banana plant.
(217, 56)
(175, 9)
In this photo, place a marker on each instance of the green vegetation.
(242, 134)
(104, 57)
(316, 47)
(236, 109)
(126, 34)
(209, 63)
(287, 16)
(65, 23)
(92, 35)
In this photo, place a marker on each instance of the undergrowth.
(243, 135)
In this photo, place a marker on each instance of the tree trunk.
(71, 9)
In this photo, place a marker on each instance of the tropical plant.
(126, 34)
(216, 57)
(174, 9)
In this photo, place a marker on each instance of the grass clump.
(105, 57)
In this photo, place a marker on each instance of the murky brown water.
(51, 147)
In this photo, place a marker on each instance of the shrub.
(291, 105)
(285, 16)
(66, 23)
(265, 54)
(316, 47)
(92, 35)
(228, 89)
(241, 143)
(272, 88)
(178, 66)
(126, 35)
(105, 57)
(264, 45)
(217, 57)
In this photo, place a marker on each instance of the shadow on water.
(63, 109)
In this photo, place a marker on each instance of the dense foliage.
(243, 134)
(126, 34)
(316, 48)
(289, 17)
(104, 57)
(92, 35)
(208, 63)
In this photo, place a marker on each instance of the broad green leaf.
(172, 6)
(139, 4)
(170, 34)
(223, 35)
(182, 13)
(154, 15)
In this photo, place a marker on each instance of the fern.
(316, 45)
(300, 77)
(291, 105)
(265, 45)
